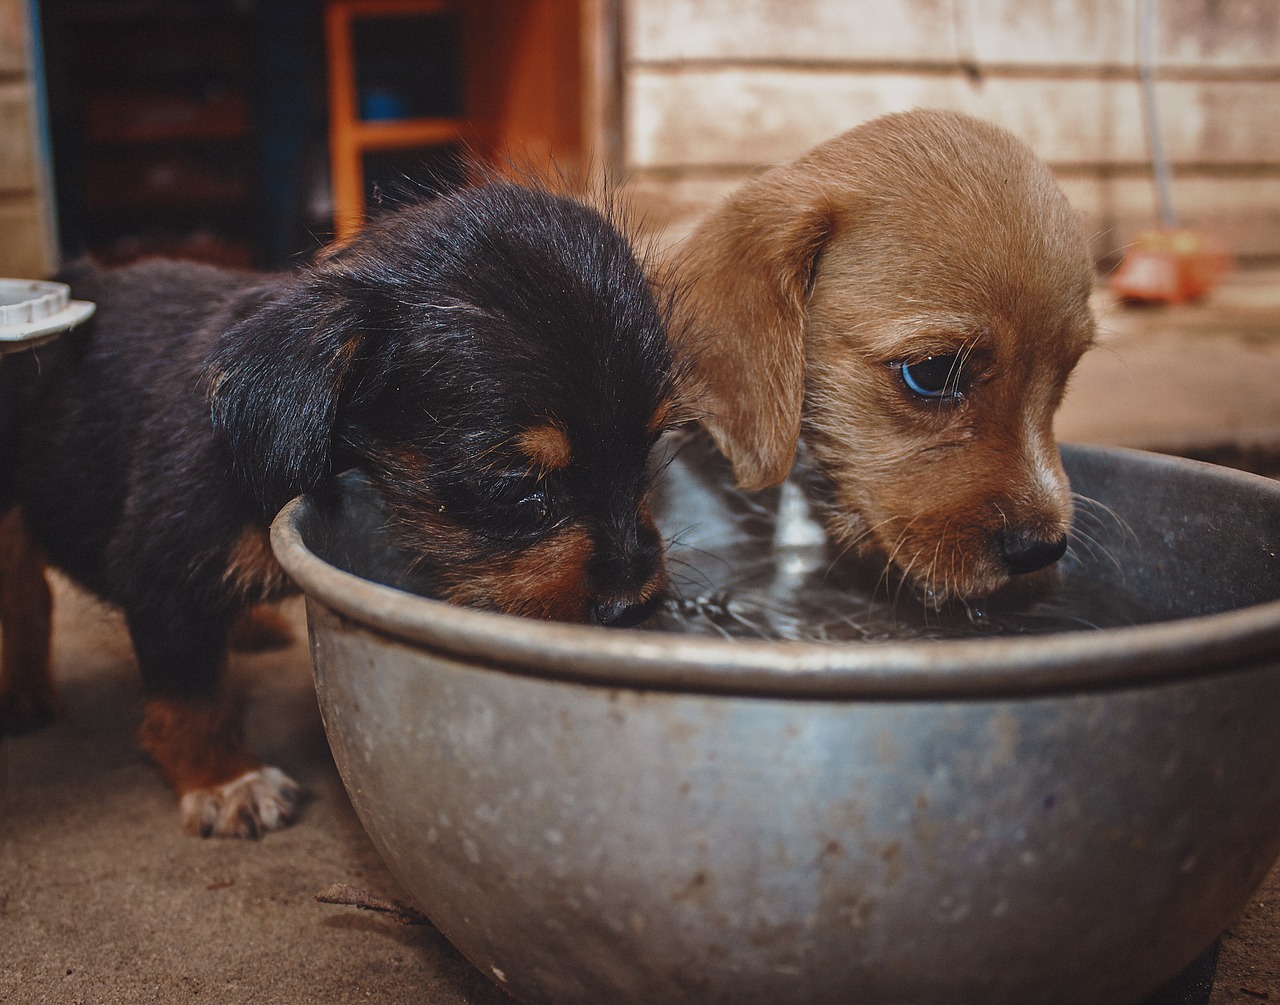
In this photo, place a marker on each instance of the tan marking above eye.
(547, 447)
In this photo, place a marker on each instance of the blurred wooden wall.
(26, 235)
(713, 89)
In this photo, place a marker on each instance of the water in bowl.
(805, 597)
(759, 566)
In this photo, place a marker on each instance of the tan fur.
(259, 629)
(196, 744)
(925, 233)
(28, 697)
(547, 580)
(547, 447)
(254, 575)
(252, 570)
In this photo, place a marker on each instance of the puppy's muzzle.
(1024, 551)
(628, 577)
(623, 613)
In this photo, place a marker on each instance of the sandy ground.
(1197, 376)
(104, 901)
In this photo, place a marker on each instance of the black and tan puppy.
(494, 360)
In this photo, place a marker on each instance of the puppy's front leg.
(192, 731)
(28, 698)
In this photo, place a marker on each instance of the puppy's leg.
(28, 698)
(192, 731)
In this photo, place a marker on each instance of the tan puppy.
(910, 297)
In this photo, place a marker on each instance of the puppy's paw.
(260, 629)
(261, 800)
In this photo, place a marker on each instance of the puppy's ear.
(743, 280)
(274, 381)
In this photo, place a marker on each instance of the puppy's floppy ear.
(743, 280)
(274, 381)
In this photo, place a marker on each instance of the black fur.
(198, 401)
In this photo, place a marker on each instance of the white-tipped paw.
(262, 800)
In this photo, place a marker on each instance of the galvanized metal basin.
(635, 817)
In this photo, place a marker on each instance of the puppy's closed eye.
(514, 507)
(524, 502)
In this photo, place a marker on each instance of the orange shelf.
(350, 137)
(394, 134)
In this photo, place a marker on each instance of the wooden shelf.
(156, 116)
(350, 136)
(152, 107)
(398, 134)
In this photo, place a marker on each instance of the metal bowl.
(638, 817)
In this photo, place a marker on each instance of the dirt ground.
(103, 901)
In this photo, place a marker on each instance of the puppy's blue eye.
(933, 377)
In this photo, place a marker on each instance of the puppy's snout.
(1025, 551)
(622, 613)
(628, 576)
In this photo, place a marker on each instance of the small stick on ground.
(348, 896)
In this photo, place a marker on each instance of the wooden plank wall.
(714, 89)
(26, 244)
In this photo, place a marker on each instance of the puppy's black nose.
(1024, 551)
(622, 613)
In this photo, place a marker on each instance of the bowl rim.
(34, 311)
(978, 668)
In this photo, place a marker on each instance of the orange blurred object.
(1171, 265)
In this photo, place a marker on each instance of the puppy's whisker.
(881, 587)
(1077, 543)
(694, 577)
(1093, 546)
(933, 597)
(1103, 233)
(953, 584)
(905, 570)
(891, 561)
(1092, 543)
(1090, 508)
(850, 544)
(679, 539)
(955, 587)
(904, 580)
(1081, 534)
(680, 552)
(953, 572)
